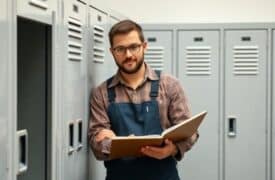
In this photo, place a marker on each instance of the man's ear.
(145, 45)
(111, 50)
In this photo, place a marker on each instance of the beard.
(133, 70)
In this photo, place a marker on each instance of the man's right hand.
(104, 133)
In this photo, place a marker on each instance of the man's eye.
(133, 47)
(120, 49)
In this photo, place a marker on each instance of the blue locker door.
(198, 71)
(245, 104)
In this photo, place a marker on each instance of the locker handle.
(80, 134)
(75, 8)
(23, 144)
(71, 138)
(232, 127)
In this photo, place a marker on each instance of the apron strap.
(155, 86)
(111, 91)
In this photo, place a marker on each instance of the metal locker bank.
(227, 70)
(54, 52)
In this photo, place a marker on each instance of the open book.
(130, 146)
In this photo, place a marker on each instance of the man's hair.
(124, 27)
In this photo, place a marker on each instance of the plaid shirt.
(172, 101)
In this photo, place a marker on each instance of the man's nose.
(128, 53)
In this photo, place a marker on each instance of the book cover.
(130, 146)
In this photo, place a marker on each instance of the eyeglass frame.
(125, 48)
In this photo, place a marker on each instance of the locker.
(245, 120)
(159, 51)
(34, 118)
(75, 91)
(101, 66)
(38, 10)
(99, 46)
(198, 71)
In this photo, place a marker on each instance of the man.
(137, 101)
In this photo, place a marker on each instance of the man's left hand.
(169, 149)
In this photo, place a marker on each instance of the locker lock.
(246, 38)
(99, 18)
(198, 39)
(152, 39)
(75, 8)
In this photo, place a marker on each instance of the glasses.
(121, 50)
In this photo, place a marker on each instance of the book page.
(184, 129)
(133, 137)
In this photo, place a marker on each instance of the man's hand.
(169, 149)
(104, 133)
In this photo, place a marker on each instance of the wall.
(195, 11)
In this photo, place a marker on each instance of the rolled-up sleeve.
(98, 120)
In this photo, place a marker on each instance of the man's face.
(128, 52)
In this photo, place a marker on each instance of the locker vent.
(154, 56)
(98, 48)
(39, 4)
(198, 60)
(246, 60)
(75, 39)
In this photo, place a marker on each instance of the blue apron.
(138, 119)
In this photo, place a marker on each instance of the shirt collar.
(150, 74)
